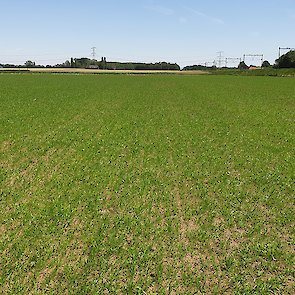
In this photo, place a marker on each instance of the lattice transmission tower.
(93, 52)
(220, 58)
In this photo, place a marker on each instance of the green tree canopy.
(287, 60)
(30, 64)
(266, 64)
(242, 66)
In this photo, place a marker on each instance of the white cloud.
(161, 9)
(206, 16)
(183, 20)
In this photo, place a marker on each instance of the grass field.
(286, 72)
(158, 184)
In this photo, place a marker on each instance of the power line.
(232, 59)
(253, 55)
(284, 48)
(44, 54)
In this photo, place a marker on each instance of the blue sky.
(186, 32)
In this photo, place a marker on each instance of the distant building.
(93, 67)
(254, 68)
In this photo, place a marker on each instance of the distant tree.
(103, 63)
(195, 68)
(94, 62)
(30, 64)
(67, 64)
(266, 64)
(83, 62)
(11, 66)
(243, 66)
(287, 60)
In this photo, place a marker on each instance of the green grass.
(286, 72)
(147, 184)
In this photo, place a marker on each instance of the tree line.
(103, 64)
(285, 61)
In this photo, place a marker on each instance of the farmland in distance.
(159, 184)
